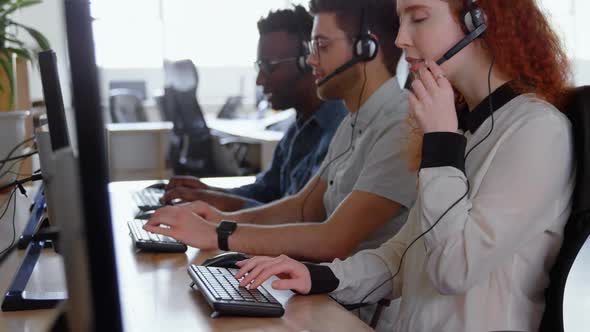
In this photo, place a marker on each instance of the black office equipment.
(16, 298)
(56, 115)
(226, 297)
(138, 88)
(226, 259)
(87, 238)
(577, 228)
(194, 150)
(126, 106)
(150, 242)
(148, 199)
(229, 110)
(34, 221)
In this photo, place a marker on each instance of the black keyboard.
(226, 297)
(146, 241)
(148, 199)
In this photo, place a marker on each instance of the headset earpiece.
(302, 59)
(366, 47)
(474, 16)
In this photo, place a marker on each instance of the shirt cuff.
(323, 279)
(442, 149)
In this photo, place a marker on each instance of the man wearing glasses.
(361, 194)
(288, 83)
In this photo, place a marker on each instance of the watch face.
(227, 226)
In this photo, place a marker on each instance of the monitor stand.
(16, 297)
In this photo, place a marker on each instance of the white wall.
(48, 18)
(581, 70)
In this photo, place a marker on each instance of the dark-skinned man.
(289, 83)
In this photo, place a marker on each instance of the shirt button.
(331, 182)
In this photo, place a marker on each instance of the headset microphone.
(462, 44)
(474, 24)
(338, 71)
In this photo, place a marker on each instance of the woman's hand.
(432, 100)
(293, 274)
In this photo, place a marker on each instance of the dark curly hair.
(296, 21)
(380, 15)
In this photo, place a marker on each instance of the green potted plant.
(13, 52)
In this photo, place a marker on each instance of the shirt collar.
(472, 120)
(388, 91)
(327, 115)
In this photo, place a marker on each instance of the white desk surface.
(155, 293)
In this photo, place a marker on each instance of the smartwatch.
(224, 230)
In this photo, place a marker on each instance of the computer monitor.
(86, 235)
(56, 115)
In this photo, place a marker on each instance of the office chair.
(126, 106)
(193, 149)
(577, 228)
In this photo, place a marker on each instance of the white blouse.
(485, 265)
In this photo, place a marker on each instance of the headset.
(365, 49)
(302, 65)
(474, 24)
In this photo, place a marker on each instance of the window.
(128, 33)
(142, 33)
(214, 33)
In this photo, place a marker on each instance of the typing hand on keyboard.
(293, 274)
(148, 241)
(184, 225)
(224, 294)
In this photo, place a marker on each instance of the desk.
(253, 130)
(139, 150)
(155, 293)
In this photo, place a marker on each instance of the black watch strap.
(224, 230)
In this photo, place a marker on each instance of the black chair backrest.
(190, 150)
(577, 228)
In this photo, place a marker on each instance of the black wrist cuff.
(323, 279)
(443, 149)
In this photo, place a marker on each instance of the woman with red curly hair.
(496, 177)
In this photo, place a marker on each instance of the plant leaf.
(19, 4)
(21, 52)
(38, 36)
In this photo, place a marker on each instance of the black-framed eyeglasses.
(268, 66)
(319, 44)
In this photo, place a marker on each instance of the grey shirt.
(372, 159)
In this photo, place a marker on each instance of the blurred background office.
(135, 38)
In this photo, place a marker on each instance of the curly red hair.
(526, 49)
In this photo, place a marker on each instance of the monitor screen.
(56, 116)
